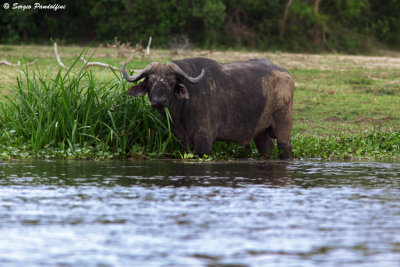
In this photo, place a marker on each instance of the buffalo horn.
(179, 71)
(134, 78)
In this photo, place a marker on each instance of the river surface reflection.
(166, 213)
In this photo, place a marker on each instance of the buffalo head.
(162, 82)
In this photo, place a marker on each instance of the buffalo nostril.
(159, 101)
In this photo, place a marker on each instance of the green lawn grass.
(345, 107)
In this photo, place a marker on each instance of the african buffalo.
(234, 102)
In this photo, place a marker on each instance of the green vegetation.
(74, 114)
(365, 145)
(345, 107)
(308, 25)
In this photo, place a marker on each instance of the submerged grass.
(77, 113)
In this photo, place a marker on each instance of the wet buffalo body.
(235, 102)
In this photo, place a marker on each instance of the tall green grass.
(73, 114)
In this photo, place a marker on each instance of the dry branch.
(99, 64)
(179, 45)
(58, 56)
(8, 63)
(117, 44)
(121, 48)
(138, 48)
(125, 48)
(148, 46)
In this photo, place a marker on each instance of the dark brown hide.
(236, 102)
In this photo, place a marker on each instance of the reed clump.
(74, 114)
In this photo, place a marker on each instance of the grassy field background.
(344, 106)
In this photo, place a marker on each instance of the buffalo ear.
(181, 91)
(138, 90)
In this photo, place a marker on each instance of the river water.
(165, 213)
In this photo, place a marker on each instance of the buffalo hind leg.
(282, 130)
(264, 143)
(202, 143)
(284, 151)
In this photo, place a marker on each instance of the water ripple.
(171, 213)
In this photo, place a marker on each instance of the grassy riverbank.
(346, 107)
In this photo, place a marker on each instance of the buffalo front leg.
(264, 143)
(202, 143)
